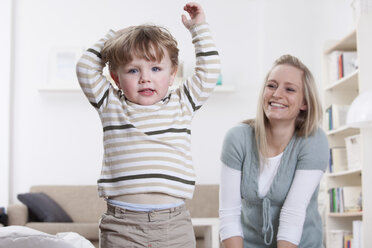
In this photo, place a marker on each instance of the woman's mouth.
(277, 105)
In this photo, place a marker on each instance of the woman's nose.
(278, 92)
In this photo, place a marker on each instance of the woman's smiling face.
(283, 94)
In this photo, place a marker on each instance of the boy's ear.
(173, 76)
(115, 78)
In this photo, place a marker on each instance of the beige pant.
(156, 229)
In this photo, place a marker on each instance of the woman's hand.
(285, 244)
(196, 14)
(233, 242)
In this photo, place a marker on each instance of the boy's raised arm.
(89, 70)
(198, 87)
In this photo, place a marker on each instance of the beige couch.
(85, 208)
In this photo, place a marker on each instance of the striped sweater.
(147, 148)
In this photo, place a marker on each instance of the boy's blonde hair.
(144, 41)
(307, 120)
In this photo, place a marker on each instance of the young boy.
(147, 171)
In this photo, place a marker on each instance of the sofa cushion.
(80, 202)
(87, 230)
(44, 208)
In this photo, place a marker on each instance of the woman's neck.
(278, 137)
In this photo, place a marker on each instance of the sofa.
(82, 204)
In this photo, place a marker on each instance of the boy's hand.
(196, 14)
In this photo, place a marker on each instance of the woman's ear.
(114, 76)
(303, 106)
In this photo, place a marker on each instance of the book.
(341, 205)
(339, 113)
(348, 238)
(352, 198)
(353, 152)
(340, 67)
(338, 159)
(337, 238)
(329, 117)
(345, 199)
(357, 234)
(349, 63)
(341, 64)
(332, 61)
(330, 167)
(334, 199)
(336, 116)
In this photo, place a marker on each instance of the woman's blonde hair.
(307, 120)
(144, 41)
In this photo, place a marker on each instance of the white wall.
(56, 136)
(5, 72)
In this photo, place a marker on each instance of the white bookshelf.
(343, 92)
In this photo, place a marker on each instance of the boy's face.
(145, 82)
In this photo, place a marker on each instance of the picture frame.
(62, 68)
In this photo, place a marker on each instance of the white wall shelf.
(343, 215)
(350, 82)
(343, 131)
(345, 173)
(224, 88)
(343, 92)
(348, 43)
(59, 88)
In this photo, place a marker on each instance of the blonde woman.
(272, 166)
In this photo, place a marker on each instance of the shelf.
(345, 173)
(350, 82)
(344, 131)
(346, 214)
(59, 88)
(224, 88)
(348, 43)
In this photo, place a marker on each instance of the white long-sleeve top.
(292, 215)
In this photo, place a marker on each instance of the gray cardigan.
(260, 216)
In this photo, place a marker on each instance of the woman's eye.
(290, 89)
(155, 69)
(271, 85)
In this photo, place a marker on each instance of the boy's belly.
(148, 198)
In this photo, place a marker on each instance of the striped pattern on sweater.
(147, 148)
